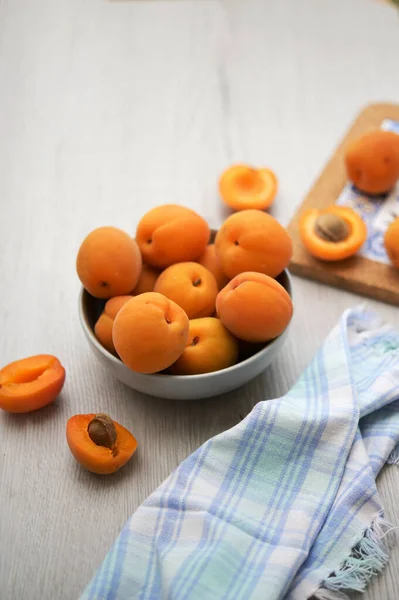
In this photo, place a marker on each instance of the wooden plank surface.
(107, 109)
(357, 274)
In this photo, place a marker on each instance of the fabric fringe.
(368, 557)
(393, 458)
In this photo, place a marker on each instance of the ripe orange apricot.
(391, 241)
(252, 240)
(254, 307)
(191, 286)
(98, 443)
(334, 233)
(146, 281)
(30, 383)
(150, 332)
(103, 327)
(210, 261)
(242, 187)
(372, 161)
(108, 262)
(171, 233)
(210, 347)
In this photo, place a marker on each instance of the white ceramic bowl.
(179, 387)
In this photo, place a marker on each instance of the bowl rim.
(118, 362)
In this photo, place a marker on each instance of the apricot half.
(254, 307)
(191, 286)
(251, 240)
(372, 161)
(210, 347)
(150, 332)
(98, 443)
(108, 263)
(242, 187)
(332, 234)
(171, 233)
(30, 383)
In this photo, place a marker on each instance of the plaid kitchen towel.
(284, 504)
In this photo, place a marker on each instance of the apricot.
(146, 281)
(210, 347)
(391, 241)
(103, 327)
(372, 161)
(30, 383)
(242, 187)
(98, 443)
(108, 263)
(210, 261)
(191, 286)
(335, 233)
(171, 233)
(150, 332)
(254, 307)
(252, 240)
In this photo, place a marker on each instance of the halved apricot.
(30, 383)
(242, 187)
(98, 443)
(334, 233)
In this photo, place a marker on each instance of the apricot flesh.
(150, 332)
(31, 383)
(254, 307)
(98, 459)
(108, 263)
(210, 347)
(171, 233)
(251, 240)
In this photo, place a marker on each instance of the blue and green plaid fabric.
(284, 504)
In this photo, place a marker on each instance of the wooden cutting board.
(356, 274)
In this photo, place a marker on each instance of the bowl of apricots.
(181, 311)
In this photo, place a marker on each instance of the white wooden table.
(108, 109)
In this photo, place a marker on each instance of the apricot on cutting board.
(30, 383)
(372, 161)
(191, 286)
(98, 443)
(171, 233)
(391, 241)
(242, 187)
(252, 240)
(335, 233)
(150, 332)
(210, 347)
(254, 307)
(103, 326)
(108, 263)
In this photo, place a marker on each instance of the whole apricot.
(254, 307)
(150, 332)
(108, 263)
(171, 233)
(251, 240)
(210, 261)
(98, 443)
(210, 347)
(372, 161)
(391, 241)
(30, 383)
(103, 326)
(147, 279)
(191, 286)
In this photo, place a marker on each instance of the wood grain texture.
(357, 274)
(108, 109)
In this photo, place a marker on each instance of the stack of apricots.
(179, 303)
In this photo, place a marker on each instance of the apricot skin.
(150, 332)
(103, 326)
(210, 261)
(254, 307)
(251, 240)
(391, 241)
